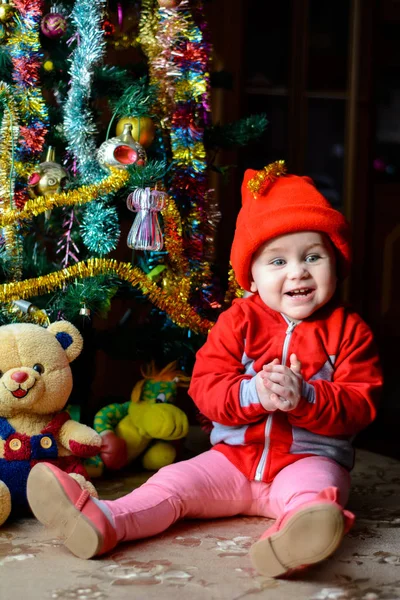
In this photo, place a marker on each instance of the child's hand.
(264, 394)
(283, 383)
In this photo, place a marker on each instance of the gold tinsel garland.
(175, 303)
(148, 26)
(8, 139)
(13, 245)
(173, 236)
(25, 169)
(259, 183)
(82, 195)
(234, 290)
(179, 273)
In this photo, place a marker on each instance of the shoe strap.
(83, 498)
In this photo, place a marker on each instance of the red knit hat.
(274, 204)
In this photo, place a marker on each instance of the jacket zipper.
(289, 331)
(268, 424)
(263, 460)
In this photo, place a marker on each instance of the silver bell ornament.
(85, 311)
(122, 151)
(49, 179)
(145, 233)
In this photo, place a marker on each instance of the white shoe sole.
(309, 536)
(54, 509)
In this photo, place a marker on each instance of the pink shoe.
(58, 502)
(302, 536)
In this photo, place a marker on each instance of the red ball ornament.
(53, 25)
(108, 28)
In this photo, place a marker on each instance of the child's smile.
(295, 273)
(300, 292)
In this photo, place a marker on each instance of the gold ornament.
(143, 129)
(48, 65)
(121, 151)
(168, 3)
(6, 11)
(49, 179)
(84, 311)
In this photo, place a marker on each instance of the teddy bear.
(36, 382)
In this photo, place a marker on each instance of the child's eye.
(278, 262)
(312, 258)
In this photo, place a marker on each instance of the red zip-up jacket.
(341, 374)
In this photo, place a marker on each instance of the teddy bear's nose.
(19, 376)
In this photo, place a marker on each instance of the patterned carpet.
(208, 559)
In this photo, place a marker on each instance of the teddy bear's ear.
(69, 338)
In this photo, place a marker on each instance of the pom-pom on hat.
(274, 204)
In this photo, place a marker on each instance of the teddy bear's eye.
(39, 368)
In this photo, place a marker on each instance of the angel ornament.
(145, 233)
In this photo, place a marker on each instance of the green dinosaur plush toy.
(36, 381)
(145, 426)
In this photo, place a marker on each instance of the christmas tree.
(86, 141)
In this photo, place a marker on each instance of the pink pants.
(210, 486)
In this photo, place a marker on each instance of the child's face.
(295, 274)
